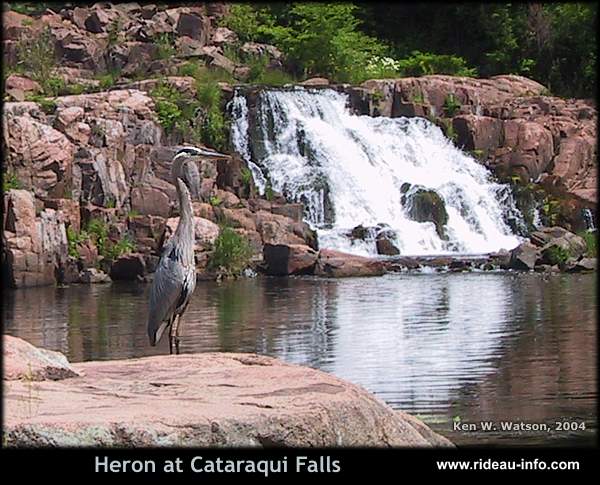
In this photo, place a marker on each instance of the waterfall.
(351, 171)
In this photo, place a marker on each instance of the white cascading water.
(311, 148)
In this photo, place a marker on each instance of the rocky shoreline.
(87, 192)
(201, 400)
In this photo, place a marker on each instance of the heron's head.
(185, 166)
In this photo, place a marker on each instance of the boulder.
(385, 243)
(195, 26)
(427, 206)
(25, 362)
(337, 264)
(205, 232)
(93, 276)
(202, 400)
(130, 267)
(524, 256)
(289, 259)
(584, 264)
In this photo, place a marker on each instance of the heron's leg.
(171, 333)
(175, 333)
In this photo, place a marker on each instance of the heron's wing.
(165, 293)
(191, 176)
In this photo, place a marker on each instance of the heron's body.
(175, 277)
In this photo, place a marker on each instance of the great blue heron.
(175, 277)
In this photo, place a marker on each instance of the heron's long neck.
(186, 212)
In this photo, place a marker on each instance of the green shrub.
(260, 73)
(591, 241)
(451, 105)
(213, 128)
(557, 255)
(10, 181)
(424, 63)
(125, 245)
(166, 46)
(47, 105)
(75, 239)
(215, 200)
(231, 253)
(37, 58)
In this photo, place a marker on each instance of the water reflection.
(487, 346)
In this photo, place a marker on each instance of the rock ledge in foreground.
(213, 399)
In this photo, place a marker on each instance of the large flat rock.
(213, 399)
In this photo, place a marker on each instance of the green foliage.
(132, 213)
(97, 229)
(10, 181)
(451, 105)
(36, 57)
(231, 253)
(108, 79)
(551, 42)
(47, 105)
(249, 22)
(260, 73)
(75, 239)
(417, 98)
(551, 210)
(424, 63)
(113, 251)
(166, 46)
(269, 194)
(76, 88)
(213, 128)
(169, 105)
(591, 241)
(557, 255)
(215, 200)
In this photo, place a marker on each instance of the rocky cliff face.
(510, 123)
(87, 150)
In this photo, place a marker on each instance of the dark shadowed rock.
(128, 267)
(210, 399)
(289, 259)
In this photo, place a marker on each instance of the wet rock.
(25, 362)
(294, 211)
(337, 264)
(584, 264)
(93, 276)
(130, 267)
(524, 256)
(289, 259)
(385, 243)
(427, 206)
(253, 401)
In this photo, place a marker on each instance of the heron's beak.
(205, 152)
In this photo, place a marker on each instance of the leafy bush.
(125, 245)
(37, 58)
(213, 128)
(166, 46)
(557, 255)
(591, 241)
(451, 105)
(231, 254)
(424, 63)
(10, 181)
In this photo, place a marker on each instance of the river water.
(447, 347)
